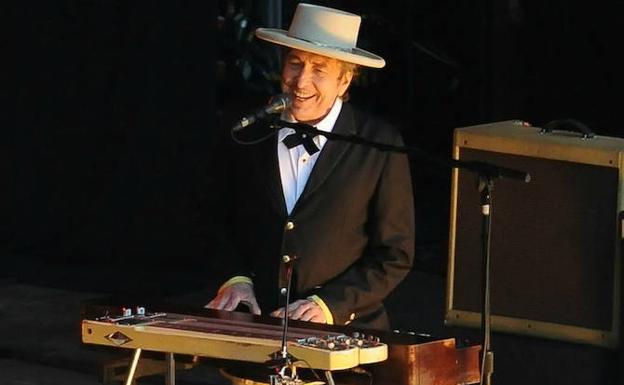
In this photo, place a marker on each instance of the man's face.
(314, 83)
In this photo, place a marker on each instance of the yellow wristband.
(329, 318)
(234, 280)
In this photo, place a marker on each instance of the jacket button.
(290, 225)
(286, 258)
(283, 291)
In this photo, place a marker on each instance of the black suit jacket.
(353, 224)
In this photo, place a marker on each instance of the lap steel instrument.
(397, 358)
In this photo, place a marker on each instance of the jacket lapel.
(331, 155)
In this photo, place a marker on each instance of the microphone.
(278, 103)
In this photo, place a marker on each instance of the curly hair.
(345, 68)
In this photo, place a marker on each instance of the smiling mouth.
(302, 98)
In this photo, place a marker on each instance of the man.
(343, 211)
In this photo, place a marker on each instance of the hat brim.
(351, 55)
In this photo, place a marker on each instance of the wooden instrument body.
(414, 361)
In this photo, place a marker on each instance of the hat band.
(316, 43)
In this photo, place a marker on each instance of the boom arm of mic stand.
(311, 130)
(481, 168)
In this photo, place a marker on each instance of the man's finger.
(231, 303)
(278, 313)
(307, 315)
(216, 303)
(297, 309)
(255, 308)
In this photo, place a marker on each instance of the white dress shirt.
(295, 164)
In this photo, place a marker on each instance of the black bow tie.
(297, 138)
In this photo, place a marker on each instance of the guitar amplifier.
(556, 242)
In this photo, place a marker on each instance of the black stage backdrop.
(115, 110)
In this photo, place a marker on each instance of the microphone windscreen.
(279, 103)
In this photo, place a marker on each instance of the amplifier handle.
(568, 125)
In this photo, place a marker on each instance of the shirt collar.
(326, 124)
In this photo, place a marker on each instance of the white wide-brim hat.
(323, 31)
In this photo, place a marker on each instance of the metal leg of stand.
(170, 379)
(329, 377)
(133, 366)
(488, 368)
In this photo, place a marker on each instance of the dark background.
(120, 108)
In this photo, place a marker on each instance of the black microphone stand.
(486, 172)
(486, 187)
(283, 359)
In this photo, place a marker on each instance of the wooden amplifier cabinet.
(556, 241)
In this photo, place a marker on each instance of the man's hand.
(229, 297)
(303, 310)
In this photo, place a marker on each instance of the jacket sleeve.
(389, 254)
